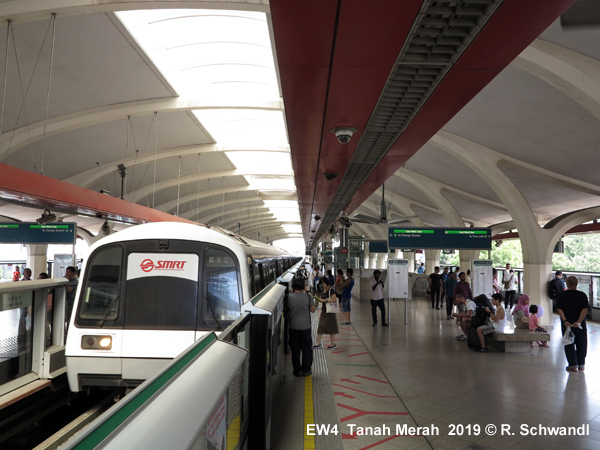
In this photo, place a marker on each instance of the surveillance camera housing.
(343, 134)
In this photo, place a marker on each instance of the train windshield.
(222, 289)
(100, 300)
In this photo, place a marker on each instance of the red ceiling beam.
(33, 189)
(584, 228)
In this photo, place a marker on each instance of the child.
(534, 324)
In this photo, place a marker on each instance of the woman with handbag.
(327, 320)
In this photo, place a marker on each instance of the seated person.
(521, 312)
(498, 321)
(464, 317)
(534, 324)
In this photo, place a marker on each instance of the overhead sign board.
(440, 238)
(34, 233)
(378, 247)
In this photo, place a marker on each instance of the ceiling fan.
(364, 218)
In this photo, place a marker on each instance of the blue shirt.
(348, 289)
(421, 269)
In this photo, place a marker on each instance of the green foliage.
(509, 252)
(450, 260)
(582, 254)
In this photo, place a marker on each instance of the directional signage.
(378, 247)
(440, 238)
(34, 233)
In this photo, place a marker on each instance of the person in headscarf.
(521, 312)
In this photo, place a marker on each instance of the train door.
(221, 296)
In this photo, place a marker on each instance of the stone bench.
(517, 342)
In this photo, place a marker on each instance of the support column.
(37, 260)
(432, 259)
(466, 259)
(372, 260)
(411, 260)
(381, 260)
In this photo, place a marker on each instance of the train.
(148, 292)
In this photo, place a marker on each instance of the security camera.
(344, 221)
(343, 134)
(105, 229)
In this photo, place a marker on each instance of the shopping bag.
(568, 337)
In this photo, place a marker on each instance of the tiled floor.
(420, 375)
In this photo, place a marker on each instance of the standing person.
(303, 273)
(338, 284)
(377, 298)
(462, 288)
(556, 286)
(435, 287)
(327, 321)
(444, 278)
(468, 277)
(330, 278)
(26, 275)
(300, 305)
(421, 268)
(510, 284)
(17, 274)
(71, 275)
(348, 284)
(506, 272)
(573, 306)
(495, 282)
(449, 286)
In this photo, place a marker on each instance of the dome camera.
(343, 134)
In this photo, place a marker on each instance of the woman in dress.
(327, 321)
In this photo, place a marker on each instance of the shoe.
(306, 374)
(348, 323)
(317, 346)
(462, 337)
(580, 367)
(297, 374)
(437, 307)
(459, 336)
(332, 347)
(545, 344)
(374, 325)
(385, 324)
(571, 368)
(484, 350)
(448, 317)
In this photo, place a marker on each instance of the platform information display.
(482, 277)
(397, 278)
(440, 238)
(378, 247)
(34, 233)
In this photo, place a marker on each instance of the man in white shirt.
(377, 298)
(465, 317)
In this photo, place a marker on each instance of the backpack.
(552, 291)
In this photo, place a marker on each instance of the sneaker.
(461, 338)
(571, 368)
(297, 374)
(317, 346)
(545, 344)
(437, 307)
(384, 324)
(580, 367)
(484, 350)
(332, 347)
(306, 374)
(348, 323)
(448, 317)
(374, 324)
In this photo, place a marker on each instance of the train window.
(222, 287)
(161, 291)
(100, 300)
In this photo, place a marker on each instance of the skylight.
(225, 59)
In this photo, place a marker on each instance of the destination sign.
(440, 238)
(34, 233)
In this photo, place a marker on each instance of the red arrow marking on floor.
(360, 412)
(349, 436)
(358, 354)
(363, 392)
(343, 395)
(372, 379)
(349, 380)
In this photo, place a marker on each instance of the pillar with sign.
(398, 283)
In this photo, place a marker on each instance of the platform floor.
(419, 375)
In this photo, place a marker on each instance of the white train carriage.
(150, 291)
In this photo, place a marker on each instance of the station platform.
(419, 375)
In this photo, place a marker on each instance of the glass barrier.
(16, 327)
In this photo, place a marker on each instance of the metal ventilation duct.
(441, 33)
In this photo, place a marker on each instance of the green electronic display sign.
(440, 238)
(34, 233)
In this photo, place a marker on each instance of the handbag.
(507, 283)
(339, 289)
(568, 337)
(333, 308)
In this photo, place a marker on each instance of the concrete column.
(381, 260)
(37, 260)
(466, 259)
(411, 261)
(432, 259)
(372, 261)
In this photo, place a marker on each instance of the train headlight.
(90, 342)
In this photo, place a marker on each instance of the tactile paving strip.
(323, 400)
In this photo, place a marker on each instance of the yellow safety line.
(309, 415)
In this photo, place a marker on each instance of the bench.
(517, 342)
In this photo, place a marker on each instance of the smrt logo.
(148, 265)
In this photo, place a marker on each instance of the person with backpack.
(556, 286)
(300, 305)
